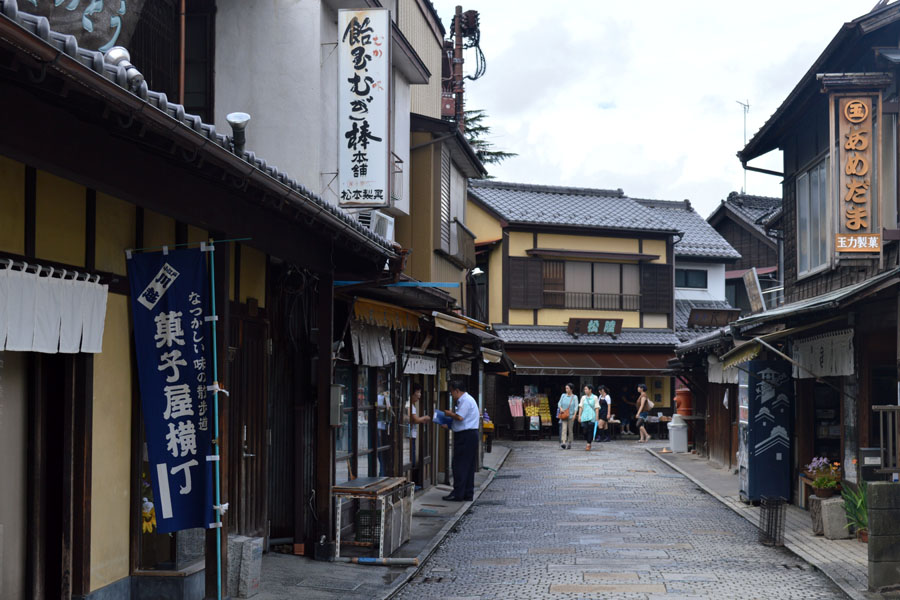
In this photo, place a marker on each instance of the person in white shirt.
(604, 414)
(415, 420)
(465, 442)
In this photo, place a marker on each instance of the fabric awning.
(563, 362)
(449, 323)
(382, 314)
(750, 350)
(491, 356)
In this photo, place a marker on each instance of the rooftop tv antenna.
(746, 107)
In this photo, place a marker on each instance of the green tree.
(477, 133)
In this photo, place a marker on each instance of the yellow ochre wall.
(484, 225)
(111, 449)
(519, 242)
(418, 228)
(12, 206)
(652, 321)
(665, 392)
(253, 275)
(59, 220)
(495, 285)
(559, 241)
(561, 316)
(656, 247)
(116, 222)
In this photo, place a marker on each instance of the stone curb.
(436, 541)
(851, 592)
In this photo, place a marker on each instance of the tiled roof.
(755, 209)
(546, 334)
(683, 312)
(552, 205)
(700, 239)
(119, 75)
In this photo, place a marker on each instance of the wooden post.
(324, 547)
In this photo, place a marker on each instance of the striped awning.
(382, 314)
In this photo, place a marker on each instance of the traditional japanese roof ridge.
(683, 312)
(700, 240)
(767, 137)
(525, 335)
(549, 189)
(756, 212)
(117, 74)
(567, 206)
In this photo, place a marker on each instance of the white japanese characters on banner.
(364, 72)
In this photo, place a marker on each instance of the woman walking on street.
(587, 414)
(568, 406)
(604, 414)
(643, 411)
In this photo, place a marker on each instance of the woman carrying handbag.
(567, 407)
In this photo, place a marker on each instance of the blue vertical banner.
(169, 303)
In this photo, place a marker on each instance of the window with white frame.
(812, 218)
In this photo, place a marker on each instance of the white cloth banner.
(826, 355)
(371, 345)
(416, 364)
(49, 315)
(716, 374)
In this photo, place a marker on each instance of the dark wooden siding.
(754, 251)
(526, 287)
(657, 288)
(830, 279)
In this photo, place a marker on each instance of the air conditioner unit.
(383, 225)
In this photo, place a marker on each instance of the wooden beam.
(82, 470)
(324, 432)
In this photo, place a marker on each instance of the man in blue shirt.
(465, 442)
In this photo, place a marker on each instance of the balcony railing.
(589, 300)
(463, 250)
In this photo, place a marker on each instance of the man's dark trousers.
(465, 453)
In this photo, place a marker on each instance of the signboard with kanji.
(598, 326)
(172, 342)
(857, 215)
(364, 73)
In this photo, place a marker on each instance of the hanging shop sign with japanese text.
(857, 215)
(169, 295)
(364, 72)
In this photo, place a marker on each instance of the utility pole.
(458, 69)
(746, 107)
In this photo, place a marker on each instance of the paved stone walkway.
(612, 523)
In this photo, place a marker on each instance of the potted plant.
(825, 475)
(857, 509)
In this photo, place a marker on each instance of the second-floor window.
(538, 283)
(691, 278)
(812, 217)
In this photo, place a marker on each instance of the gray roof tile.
(40, 27)
(683, 312)
(755, 209)
(546, 334)
(552, 205)
(700, 239)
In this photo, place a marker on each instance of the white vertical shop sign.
(364, 73)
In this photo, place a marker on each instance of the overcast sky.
(642, 95)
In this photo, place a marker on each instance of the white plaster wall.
(327, 184)
(267, 64)
(715, 280)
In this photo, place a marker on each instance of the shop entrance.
(248, 387)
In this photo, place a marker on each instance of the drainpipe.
(181, 45)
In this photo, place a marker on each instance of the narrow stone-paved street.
(612, 523)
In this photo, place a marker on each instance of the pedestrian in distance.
(465, 442)
(644, 404)
(567, 409)
(587, 414)
(603, 414)
(415, 419)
